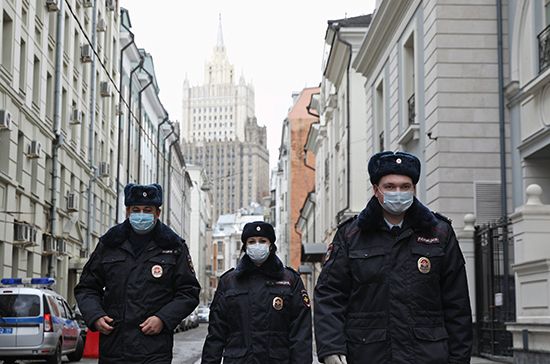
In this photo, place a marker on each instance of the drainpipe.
(164, 165)
(502, 156)
(58, 142)
(120, 116)
(140, 64)
(169, 179)
(92, 139)
(139, 121)
(158, 146)
(341, 212)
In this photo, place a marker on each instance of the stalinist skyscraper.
(220, 132)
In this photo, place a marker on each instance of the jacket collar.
(272, 267)
(418, 216)
(163, 236)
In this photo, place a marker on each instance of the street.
(187, 348)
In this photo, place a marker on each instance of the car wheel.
(79, 351)
(56, 358)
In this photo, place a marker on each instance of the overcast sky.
(277, 46)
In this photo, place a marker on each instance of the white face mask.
(397, 202)
(258, 253)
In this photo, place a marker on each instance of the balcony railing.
(544, 49)
(412, 110)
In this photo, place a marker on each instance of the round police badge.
(424, 265)
(398, 161)
(258, 228)
(144, 194)
(278, 303)
(156, 271)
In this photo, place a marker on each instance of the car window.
(19, 305)
(62, 310)
(70, 314)
(53, 306)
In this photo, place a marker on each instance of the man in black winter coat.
(138, 284)
(393, 287)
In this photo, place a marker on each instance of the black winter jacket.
(249, 324)
(383, 298)
(161, 282)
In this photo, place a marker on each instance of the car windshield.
(19, 305)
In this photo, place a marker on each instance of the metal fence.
(495, 291)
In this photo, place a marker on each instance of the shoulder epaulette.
(229, 271)
(292, 269)
(443, 217)
(346, 221)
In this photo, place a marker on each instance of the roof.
(358, 21)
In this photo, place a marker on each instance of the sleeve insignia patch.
(305, 298)
(190, 263)
(329, 252)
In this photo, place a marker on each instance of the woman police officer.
(261, 311)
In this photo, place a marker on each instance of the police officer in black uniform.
(261, 311)
(393, 287)
(138, 284)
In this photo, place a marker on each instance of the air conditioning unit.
(110, 5)
(72, 202)
(22, 233)
(52, 5)
(105, 87)
(84, 253)
(86, 52)
(104, 169)
(101, 25)
(76, 116)
(35, 149)
(87, 3)
(119, 109)
(5, 120)
(49, 244)
(32, 235)
(61, 246)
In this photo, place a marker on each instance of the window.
(36, 82)
(7, 41)
(22, 66)
(379, 116)
(409, 81)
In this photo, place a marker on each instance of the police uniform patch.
(156, 271)
(278, 303)
(424, 240)
(329, 252)
(305, 298)
(424, 265)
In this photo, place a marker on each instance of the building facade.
(221, 133)
(57, 129)
(296, 176)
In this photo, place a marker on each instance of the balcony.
(544, 49)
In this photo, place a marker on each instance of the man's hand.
(103, 325)
(336, 359)
(152, 326)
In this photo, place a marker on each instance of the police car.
(36, 322)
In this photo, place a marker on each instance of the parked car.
(81, 322)
(194, 318)
(36, 322)
(204, 312)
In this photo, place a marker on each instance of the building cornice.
(380, 32)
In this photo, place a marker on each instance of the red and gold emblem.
(156, 271)
(278, 303)
(424, 265)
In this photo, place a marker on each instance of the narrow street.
(187, 348)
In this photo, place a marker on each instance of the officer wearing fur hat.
(393, 287)
(138, 284)
(261, 311)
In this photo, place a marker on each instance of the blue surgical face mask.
(258, 252)
(142, 223)
(397, 202)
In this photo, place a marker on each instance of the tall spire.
(220, 34)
